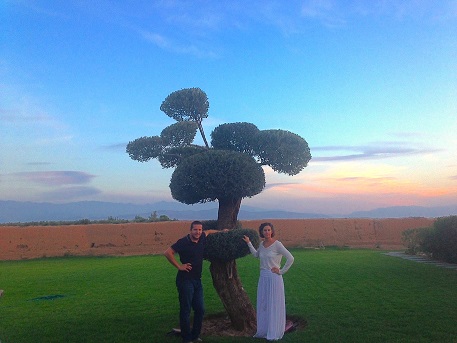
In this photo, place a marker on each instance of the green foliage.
(441, 241)
(186, 104)
(438, 241)
(284, 151)
(413, 239)
(216, 174)
(229, 245)
(212, 225)
(144, 148)
(239, 137)
(173, 145)
(172, 157)
(139, 219)
(179, 134)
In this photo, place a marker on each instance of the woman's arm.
(289, 258)
(254, 252)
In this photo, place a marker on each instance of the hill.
(14, 211)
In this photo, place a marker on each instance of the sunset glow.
(371, 86)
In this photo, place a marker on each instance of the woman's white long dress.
(271, 304)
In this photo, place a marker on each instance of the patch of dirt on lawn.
(220, 325)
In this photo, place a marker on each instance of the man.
(188, 281)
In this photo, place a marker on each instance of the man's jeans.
(190, 296)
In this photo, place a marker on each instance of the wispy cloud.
(38, 163)
(115, 147)
(41, 10)
(364, 179)
(414, 9)
(168, 44)
(18, 116)
(55, 178)
(325, 11)
(25, 116)
(380, 150)
(454, 177)
(333, 13)
(280, 184)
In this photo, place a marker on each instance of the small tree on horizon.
(227, 171)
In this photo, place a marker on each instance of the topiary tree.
(227, 171)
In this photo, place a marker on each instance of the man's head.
(196, 229)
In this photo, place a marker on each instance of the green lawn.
(344, 295)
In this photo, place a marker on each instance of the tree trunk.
(228, 213)
(225, 275)
(200, 127)
(234, 298)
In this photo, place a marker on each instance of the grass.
(345, 296)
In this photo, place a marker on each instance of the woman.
(271, 305)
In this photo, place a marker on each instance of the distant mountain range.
(15, 211)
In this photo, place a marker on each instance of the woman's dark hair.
(261, 229)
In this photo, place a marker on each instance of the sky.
(370, 85)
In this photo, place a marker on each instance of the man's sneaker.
(197, 340)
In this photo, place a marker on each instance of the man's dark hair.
(195, 222)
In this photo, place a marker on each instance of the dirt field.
(153, 238)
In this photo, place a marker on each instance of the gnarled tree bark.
(233, 296)
(225, 275)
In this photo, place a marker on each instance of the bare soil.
(218, 325)
(18, 243)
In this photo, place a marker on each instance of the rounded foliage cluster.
(179, 134)
(173, 156)
(239, 137)
(284, 151)
(186, 104)
(216, 174)
(441, 241)
(212, 225)
(144, 148)
(227, 246)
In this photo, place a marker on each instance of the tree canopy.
(228, 170)
(216, 174)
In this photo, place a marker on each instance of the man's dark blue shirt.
(190, 252)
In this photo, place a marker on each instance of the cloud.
(115, 147)
(32, 6)
(453, 177)
(364, 179)
(22, 110)
(415, 9)
(38, 163)
(324, 10)
(281, 184)
(166, 43)
(56, 178)
(17, 116)
(380, 150)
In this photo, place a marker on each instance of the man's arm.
(210, 232)
(170, 255)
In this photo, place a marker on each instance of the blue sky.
(370, 85)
